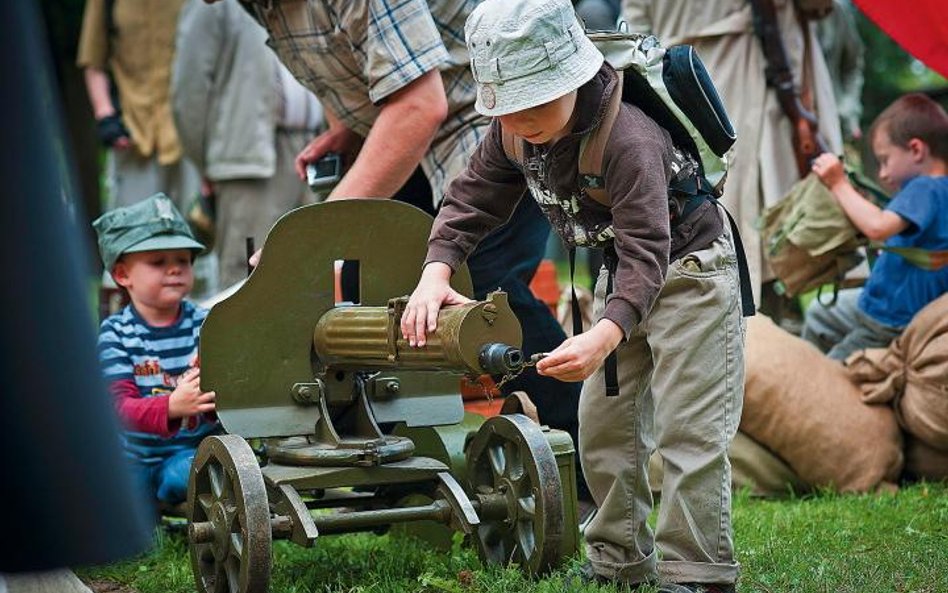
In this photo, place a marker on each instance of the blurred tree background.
(890, 71)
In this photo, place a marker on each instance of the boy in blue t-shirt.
(148, 350)
(910, 141)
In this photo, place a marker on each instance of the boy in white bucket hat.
(667, 301)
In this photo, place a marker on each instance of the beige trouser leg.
(681, 377)
(131, 178)
(249, 207)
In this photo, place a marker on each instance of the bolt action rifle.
(807, 141)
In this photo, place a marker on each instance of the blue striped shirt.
(153, 358)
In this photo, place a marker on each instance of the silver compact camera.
(324, 173)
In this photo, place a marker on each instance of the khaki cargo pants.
(681, 377)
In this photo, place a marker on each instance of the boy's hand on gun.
(187, 399)
(578, 357)
(433, 292)
(829, 169)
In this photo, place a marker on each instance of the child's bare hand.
(187, 399)
(433, 292)
(578, 357)
(829, 169)
(255, 258)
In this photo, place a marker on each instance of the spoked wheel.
(515, 483)
(228, 518)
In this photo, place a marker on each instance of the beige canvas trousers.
(250, 207)
(681, 377)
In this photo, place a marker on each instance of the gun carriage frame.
(358, 431)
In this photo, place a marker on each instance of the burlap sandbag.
(753, 466)
(801, 405)
(923, 462)
(911, 375)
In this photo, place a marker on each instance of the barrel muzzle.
(500, 359)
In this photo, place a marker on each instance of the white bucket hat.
(527, 52)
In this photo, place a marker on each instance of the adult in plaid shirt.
(393, 77)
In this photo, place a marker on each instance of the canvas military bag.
(810, 243)
(808, 240)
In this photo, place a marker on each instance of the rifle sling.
(795, 105)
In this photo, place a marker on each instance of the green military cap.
(149, 225)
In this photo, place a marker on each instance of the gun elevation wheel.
(228, 518)
(516, 483)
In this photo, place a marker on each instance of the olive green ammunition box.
(565, 454)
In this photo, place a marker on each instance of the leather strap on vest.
(593, 147)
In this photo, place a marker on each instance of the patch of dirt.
(109, 587)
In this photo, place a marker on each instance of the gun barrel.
(478, 337)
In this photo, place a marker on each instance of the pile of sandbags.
(802, 406)
(753, 467)
(911, 376)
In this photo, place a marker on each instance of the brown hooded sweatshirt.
(638, 163)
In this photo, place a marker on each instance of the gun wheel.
(516, 483)
(228, 518)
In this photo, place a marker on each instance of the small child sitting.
(148, 350)
(910, 141)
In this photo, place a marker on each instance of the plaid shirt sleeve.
(402, 44)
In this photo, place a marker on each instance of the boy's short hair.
(150, 225)
(915, 115)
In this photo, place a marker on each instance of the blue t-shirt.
(154, 358)
(896, 289)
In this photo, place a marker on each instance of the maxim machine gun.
(354, 430)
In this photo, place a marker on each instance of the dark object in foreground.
(68, 498)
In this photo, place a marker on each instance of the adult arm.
(93, 55)
(401, 135)
(198, 45)
(109, 126)
(99, 89)
(403, 52)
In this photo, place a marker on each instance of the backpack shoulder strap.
(593, 147)
(513, 147)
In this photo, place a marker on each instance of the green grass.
(827, 542)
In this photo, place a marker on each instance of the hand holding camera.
(323, 174)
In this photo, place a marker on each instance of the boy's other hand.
(187, 399)
(578, 357)
(433, 292)
(829, 169)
